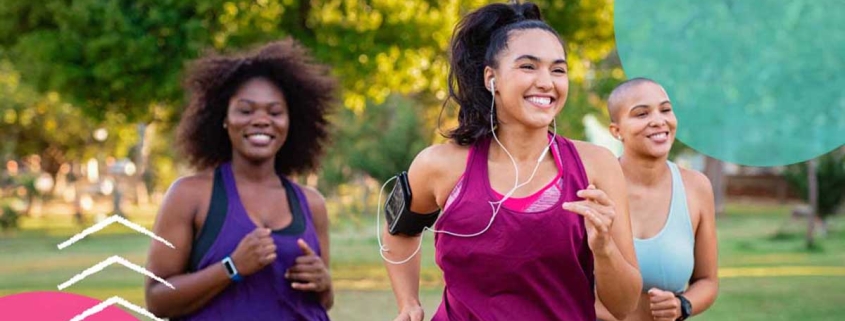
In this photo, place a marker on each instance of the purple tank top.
(529, 265)
(265, 295)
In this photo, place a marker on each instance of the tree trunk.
(714, 170)
(146, 134)
(813, 193)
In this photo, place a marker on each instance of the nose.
(261, 119)
(658, 120)
(544, 81)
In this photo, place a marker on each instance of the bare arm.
(618, 280)
(431, 176)
(405, 277)
(602, 314)
(704, 284)
(317, 205)
(175, 224)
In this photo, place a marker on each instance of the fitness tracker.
(231, 270)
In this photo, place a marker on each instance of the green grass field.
(766, 275)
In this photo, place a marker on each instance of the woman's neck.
(253, 171)
(644, 171)
(523, 144)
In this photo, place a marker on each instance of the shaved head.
(622, 92)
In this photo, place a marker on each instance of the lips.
(259, 139)
(541, 101)
(659, 137)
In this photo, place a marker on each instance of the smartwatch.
(686, 307)
(231, 270)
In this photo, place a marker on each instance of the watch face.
(686, 307)
(229, 268)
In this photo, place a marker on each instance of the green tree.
(129, 55)
(830, 177)
(106, 56)
(380, 141)
(122, 61)
(38, 124)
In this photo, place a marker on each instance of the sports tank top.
(528, 265)
(543, 199)
(667, 259)
(267, 294)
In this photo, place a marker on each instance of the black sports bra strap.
(213, 221)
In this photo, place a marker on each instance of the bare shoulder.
(593, 152)
(697, 183)
(598, 161)
(699, 196)
(441, 160)
(313, 196)
(319, 213)
(192, 188)
(184, 208)
(434, 173)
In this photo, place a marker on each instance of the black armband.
(397, 211)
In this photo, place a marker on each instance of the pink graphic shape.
(55, 306)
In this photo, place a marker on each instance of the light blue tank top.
(667, 259)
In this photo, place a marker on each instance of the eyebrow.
(646, 106)
(250, 102)
(638, 107)
(535, 59)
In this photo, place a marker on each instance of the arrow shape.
(110, 301)
(109, 261)
(112, 219)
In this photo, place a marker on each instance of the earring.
(225, 126)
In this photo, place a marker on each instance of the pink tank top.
(528, 265)
(543, 199)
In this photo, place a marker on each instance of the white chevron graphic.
(114, 259)
(110, 301)
(102, 224)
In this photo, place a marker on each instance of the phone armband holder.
(397, 210)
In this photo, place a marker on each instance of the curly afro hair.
(211, 81)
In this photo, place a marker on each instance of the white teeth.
(259, 138)
(540, 100)
(659, 135)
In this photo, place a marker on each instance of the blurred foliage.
(380, 141)
(45, 125)
(8, 217)
(830, 175)
(106, 55)
(90, 63)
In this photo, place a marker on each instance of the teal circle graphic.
(758, 83)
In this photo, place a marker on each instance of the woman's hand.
(255, 251)
(664, 305)
(411, 313)
(598, 212)
(309, 273)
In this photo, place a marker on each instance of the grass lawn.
(765, 275)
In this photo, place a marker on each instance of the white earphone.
(495, 205)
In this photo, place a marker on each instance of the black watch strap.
(686, 307)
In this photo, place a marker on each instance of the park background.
(90, 94)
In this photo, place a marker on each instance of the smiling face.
(531, 78)
(645, 120)
(257, 120)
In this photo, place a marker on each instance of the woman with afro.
(248, 243)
